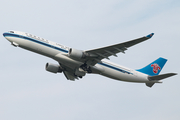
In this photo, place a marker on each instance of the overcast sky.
(28, 92)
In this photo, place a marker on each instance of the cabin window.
(11, 31)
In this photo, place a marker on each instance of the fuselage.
(60, 53)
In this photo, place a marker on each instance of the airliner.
(75, 64)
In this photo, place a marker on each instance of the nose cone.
(4, 34)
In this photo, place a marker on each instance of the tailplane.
(160, 77)
(156, 78)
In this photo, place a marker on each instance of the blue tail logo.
(154, 68)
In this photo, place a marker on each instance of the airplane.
(76, 63)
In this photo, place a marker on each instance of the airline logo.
(155, 68)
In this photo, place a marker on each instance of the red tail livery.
(155, 68)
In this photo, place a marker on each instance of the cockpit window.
(11, 31)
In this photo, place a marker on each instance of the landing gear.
(82, 70)
(86, 68)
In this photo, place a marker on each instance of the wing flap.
(69, 76)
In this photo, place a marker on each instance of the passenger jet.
(76, 63)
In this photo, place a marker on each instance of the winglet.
(150, 35)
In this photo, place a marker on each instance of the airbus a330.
(76, 64)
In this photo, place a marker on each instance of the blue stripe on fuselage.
(115, 68)
(34, 40)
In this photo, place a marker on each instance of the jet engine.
(78, 54)
(54, 68)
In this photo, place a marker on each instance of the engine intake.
(54, 68)
(78, 54)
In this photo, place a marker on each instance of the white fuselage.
(60, 53)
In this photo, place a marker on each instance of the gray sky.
(28, 92)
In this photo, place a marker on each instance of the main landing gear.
(86, 68)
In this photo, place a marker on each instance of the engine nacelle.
(78, 54)
(54, 68)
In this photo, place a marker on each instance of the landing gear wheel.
(86, 68)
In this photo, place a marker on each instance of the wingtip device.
(150, 35)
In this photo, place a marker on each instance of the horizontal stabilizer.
(160, 77)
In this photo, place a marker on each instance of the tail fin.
(154, 68)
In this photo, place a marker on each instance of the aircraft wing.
(105, 52)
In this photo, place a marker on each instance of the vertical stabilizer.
(154, 68)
